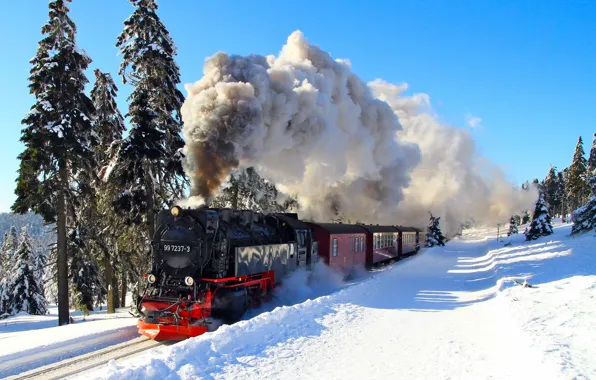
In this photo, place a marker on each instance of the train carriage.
(341, 246)
(382, 244)
(408, 240)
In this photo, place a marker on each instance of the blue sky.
(527, 69)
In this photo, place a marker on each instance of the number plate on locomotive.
(176, 248)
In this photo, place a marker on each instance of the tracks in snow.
(79, 364)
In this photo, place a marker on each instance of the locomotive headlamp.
(175, 211)
(189, 281)
(151, 278)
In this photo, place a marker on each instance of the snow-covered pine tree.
(57, 134)
(24, 288)
(541, 221)
(584, 218)
(577, 188)
(561, 193)
(84, 272)
(550, 187)
(104, 221)
(108, 119)
(434, 236)
(592, 159)
(149, 166)
(9, 247)
(246, 189)
(512, 226)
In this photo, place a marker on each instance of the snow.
(448, 312)
(31, 341)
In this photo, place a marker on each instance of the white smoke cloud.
(316, 130)
(452, 181)
(307, 123)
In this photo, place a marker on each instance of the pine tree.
(24, 289)
(9, 248)
(512, 226)
(57, 135)
(149, 163)
(584, 218)
(550, 188)
(246, 189)
(541, 221)
(434, 236)
(84, 273)
(526, 217)
(592, 159)
(561, 193)
(104, 222)
(577, 188)
(108, 119)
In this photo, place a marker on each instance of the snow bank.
(449, 312)
(31, 341)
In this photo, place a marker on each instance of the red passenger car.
(341, 246)
(382, 244)
(408, 240)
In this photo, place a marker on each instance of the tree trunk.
(108, 269)
(63, 313)
(124, 290)
(115, 298)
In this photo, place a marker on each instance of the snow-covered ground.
(448, 312)
(30, 341)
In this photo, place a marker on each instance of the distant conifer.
(541, 221)
(434, 236)
(24, 289)
(512, 226)
(577, 187)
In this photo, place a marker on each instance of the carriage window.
(334, 247)
(361, 244)
(356, 243)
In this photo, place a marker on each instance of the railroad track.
(83, 363)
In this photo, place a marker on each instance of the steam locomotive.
(211, 263)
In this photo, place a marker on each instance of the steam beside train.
(211, 263)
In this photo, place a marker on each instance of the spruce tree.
(104, 224)
(57, 135)
(541, 221)
(434, 236)
(84, 273)
(512, 226)
(246, 189)
(577, 188)
(584, 218)
(561, 193)
(9, 248)
(24, 288)
(149, 163)
(592, 159)
(550, 187)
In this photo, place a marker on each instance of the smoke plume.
(452, 181)
(363, 152)
(307, 123)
